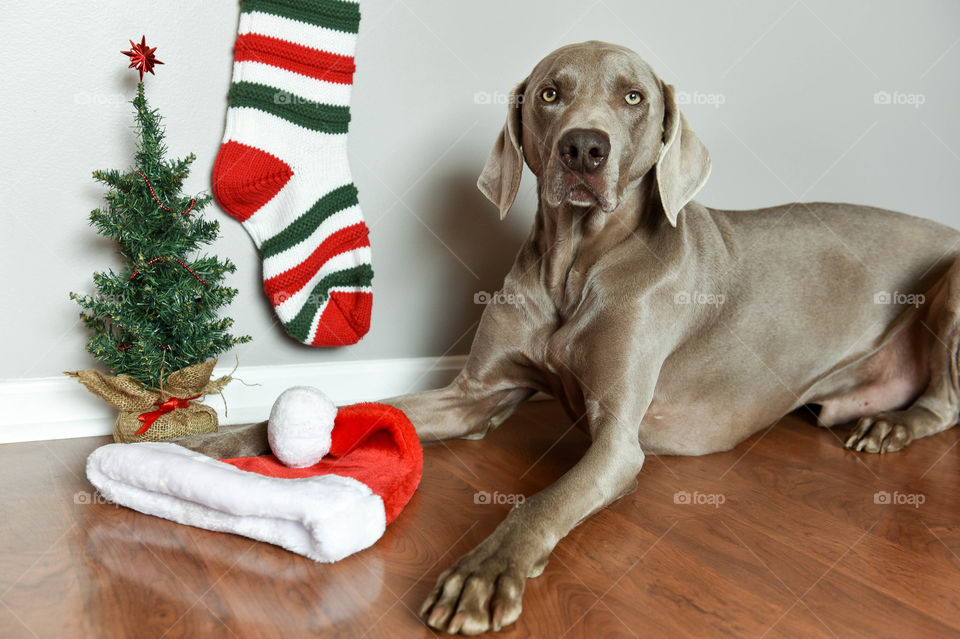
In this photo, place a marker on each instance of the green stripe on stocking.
(304, 226)
(342, 16)
(308, 114)
(299, 327)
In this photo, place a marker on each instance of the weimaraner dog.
(666, 327)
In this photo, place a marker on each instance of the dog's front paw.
(882, 433)
(481, 592)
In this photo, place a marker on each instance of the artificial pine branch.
(156, 316)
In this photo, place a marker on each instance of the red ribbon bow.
(168, 406)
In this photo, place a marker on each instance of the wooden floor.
(799, 547)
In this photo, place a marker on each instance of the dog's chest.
(571, 354)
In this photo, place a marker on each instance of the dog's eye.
(632, 98)
(549, 95)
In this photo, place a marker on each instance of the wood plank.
(799, 547)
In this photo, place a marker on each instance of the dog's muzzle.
(583, 154)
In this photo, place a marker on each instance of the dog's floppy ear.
(684, 163)
(500, 178)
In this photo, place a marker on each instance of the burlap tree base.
(150, 414)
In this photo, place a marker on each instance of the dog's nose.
(584, 150)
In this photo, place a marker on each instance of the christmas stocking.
(282, 169)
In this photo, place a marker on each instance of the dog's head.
(591, 120)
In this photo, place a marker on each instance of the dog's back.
(781, 301)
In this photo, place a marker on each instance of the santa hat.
(326, 511)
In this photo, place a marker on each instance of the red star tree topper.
(141, 57)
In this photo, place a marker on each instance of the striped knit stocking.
(282, 170)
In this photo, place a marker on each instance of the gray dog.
(667, 327)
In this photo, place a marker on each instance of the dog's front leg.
(484, 588)
(242, 441)
(466, 408)
(493, 381)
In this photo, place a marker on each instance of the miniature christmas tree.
(159, 314)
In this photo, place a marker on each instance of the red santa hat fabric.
(326, 512)
(373, 443)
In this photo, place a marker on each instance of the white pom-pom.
(301, 421)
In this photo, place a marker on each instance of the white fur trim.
(300, 426)
(325, 518)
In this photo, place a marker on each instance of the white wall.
(797, 121)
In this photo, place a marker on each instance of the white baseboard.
(61, 408)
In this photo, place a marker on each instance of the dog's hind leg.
(938, 406)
